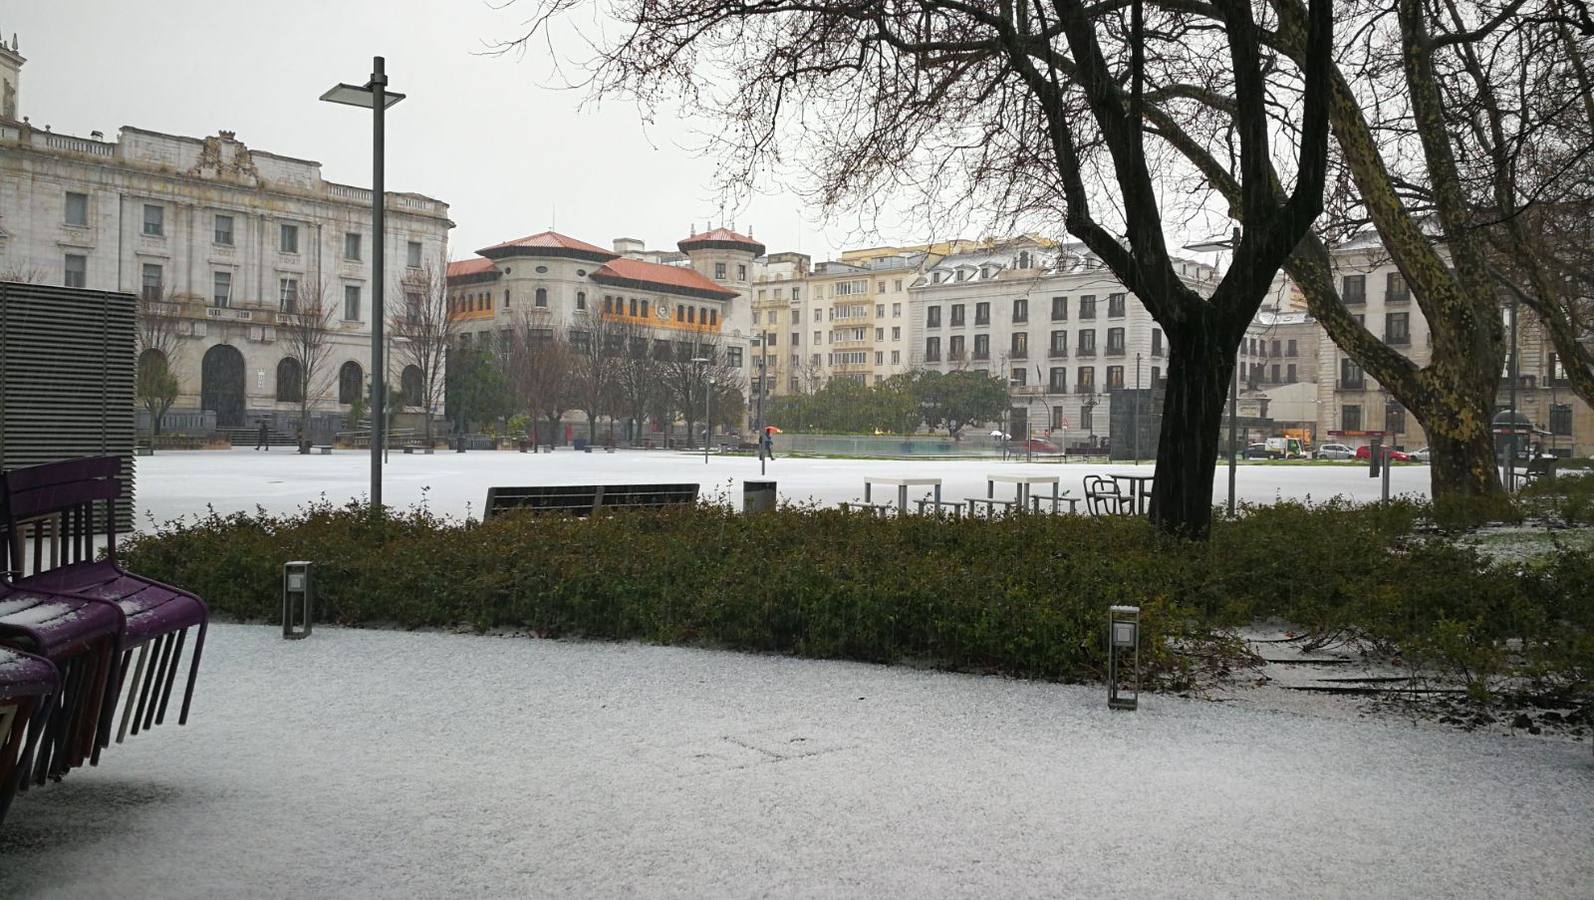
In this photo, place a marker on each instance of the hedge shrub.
(1023, 595)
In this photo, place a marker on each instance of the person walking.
(264, 439)
(766, 443)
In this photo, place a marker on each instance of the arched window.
(290, 380)
(351, 383)
(411, 385)
(542, 297)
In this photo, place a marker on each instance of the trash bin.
(758, 496)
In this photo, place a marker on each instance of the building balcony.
(1359, 384)
(1084, 389)
(1398, 340)
(1086, 352)
(1115, 351)
(1021, 353)
(1057, 353)
(981, 355)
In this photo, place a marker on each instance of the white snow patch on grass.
(371, 763)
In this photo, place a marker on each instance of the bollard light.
(298, 591)
(1123, 657)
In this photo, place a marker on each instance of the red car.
(1365, 452)
(1033, 445)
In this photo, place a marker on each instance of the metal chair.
(27, 683)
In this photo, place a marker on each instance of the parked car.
(1033, 445)
(1256, 451)
(1422, 456)
(1365, 452)
(1335, 451)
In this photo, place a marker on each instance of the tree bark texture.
(1200, 368)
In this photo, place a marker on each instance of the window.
(290, 386)
(1350, 418)
(982, 346)
(691, 315)
(879, 287)
(1059, 345)
(879, 334)
(896, 357)
(794, 297)
(152, 281)
(351, 303)
(1087, 343)
(819, 315)
(288, 238)
(819, 338)
(221, 289)
(1556, 369)
(1395, 288)
(542, 298)
(796, 338)
(1353, 289)
(1289, 373)
(1115, 306)
(77, 209)
(733, 357)
(896, 286)
(1086, 383)
(713, 317)
(879, 357)
(1395, 419)
(351, 378)
(76, 270)
(1020, 347)
(1350, 375)
(932, 317)
(412, 254)
(896, 332)
(222, 229)
(1291, 349)
(741, 275)
(1021, 309)
(719, 271)
(1561, 418)
(1397, 329)
(1156, 342)
(932, 349)
(982, 313)
(1115, 378)
(1275, 378)
(1275, 351)
(1017, 376)
(1058, 382)
(1059, 309)
(506, 298)
(957, 315)
(581, 303)
(1156, 375)
(154, 220)
(288, 294)
(351, 245)
(1115, 342)
(954, 347)
(1087, 306)
(880, 310)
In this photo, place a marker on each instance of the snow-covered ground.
(371, 763)
(172, 484)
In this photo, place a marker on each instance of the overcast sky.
(478, 132)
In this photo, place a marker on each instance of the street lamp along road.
(702, 363)
(374, 96)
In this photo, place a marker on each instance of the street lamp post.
(1135, 410)
(702, 362)
(374, 96)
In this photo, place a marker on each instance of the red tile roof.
(721, 237)
(462, 267)
(549, 241)
(678, 279)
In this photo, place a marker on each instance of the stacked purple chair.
(26, 685)
(157, 617)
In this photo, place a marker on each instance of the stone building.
(1052, 320)
(219, 237)
(1354, 408)
(552, 280)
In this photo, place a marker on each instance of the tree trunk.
(1457, 422)
(1199, 371)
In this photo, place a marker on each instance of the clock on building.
(662, 310)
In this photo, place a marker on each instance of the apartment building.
(1052, 320)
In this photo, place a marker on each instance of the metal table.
(902, 485)
(1139, 489)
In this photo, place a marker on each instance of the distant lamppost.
(702, 363)
(374, 96)
(1135, 410)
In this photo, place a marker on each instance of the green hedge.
(1024, 595)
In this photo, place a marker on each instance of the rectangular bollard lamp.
(298, 590)
(1123, 657)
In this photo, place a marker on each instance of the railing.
(74, 145)
(1057, 353)
(1019, 353)
(1088, 352)
(1398, 340)
(1115, 351)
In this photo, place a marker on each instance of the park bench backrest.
(586, 499)
(58, 499)
(1542, 466)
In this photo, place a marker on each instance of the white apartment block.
(1052, 320)
(224, 237)
(1354, 408)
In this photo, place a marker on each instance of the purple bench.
(56, 504)
(26, 685)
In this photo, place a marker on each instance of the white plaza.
(176, 484)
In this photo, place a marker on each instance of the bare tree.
(636, 378)
(304, 327)
(1026, 110)
(423, 330)
(597, 350)
(22, 274)
(686, 381)
(541, 370)
(159, 345)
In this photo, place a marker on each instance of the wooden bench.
(587, 499)
(953, 507)
(991, 503)
(1056, 502)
